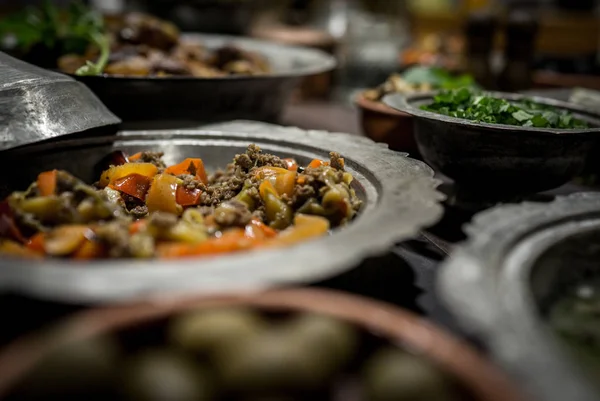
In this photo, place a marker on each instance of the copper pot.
(384, 124)
(478, 376)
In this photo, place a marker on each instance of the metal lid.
(37, 104)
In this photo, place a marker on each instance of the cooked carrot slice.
(46, 183)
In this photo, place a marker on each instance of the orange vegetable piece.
(135, 185)
(317, 163)
(137, 226)
(190, 166)
(284, 183)
(305, 227)
(188, 197)
(291, 164)
(115, 173)
(15, 249)
(37, 243)
(46, 183)
(232, 240)
(162, 195)
(265, 188)
(258, 229)
(66, 240)
(268, 171)
(135, 157)
(89, 250)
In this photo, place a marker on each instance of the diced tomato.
(135, 185)
(189, 166)
(188, 197)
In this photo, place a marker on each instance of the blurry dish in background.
(79, 41)
(436, 49)
(384, 124)
(299, 344)
(317, 86)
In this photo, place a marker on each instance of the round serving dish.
(399, 194)
(38, 104)
(502, 281)
(385, 124)
(398, 326)
(177, 98)
(499, 162)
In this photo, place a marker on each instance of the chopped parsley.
(481, 107)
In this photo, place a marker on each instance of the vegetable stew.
(142, 208)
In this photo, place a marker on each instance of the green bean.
(244, 196)
(278, 213)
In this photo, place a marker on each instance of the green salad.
(483, 107)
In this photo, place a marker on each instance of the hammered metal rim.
(491, 296)
(403, 200)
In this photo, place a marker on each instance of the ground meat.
(255, 158)
(132, 202)
(153, 158)
(232, 214)
(259, 214)
(206, 210)
(115, 236)
(336, 161)
(191, 182)
(223, 186)
(302, 193)
(139, 211)
(163, 220)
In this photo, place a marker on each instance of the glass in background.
(374, 34)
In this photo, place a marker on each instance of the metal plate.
(37, 104)
(260, 97)
(499, 283)
(400, 198)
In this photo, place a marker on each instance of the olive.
(394, 375)
(330, 340)
(203, 332)
(81, 370)
(268, 364)
(163, 375)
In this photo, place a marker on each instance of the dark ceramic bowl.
(384, 124)
(501, 283)
(480, 380)
(500, 162)
(190, 99)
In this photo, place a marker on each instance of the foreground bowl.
(178, 98)
(500, 284)
(500, 162)
(384, 124)
(399, 194)
(398, 326)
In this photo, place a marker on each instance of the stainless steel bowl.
(37, 104)
(399, 193)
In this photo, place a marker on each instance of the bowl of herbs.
(500, 146)
(384, 124)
